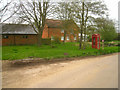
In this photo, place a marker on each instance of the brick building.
(53, 28)
(22, 34)
(18, 34)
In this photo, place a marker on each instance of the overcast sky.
(113, 8)
(111, 4)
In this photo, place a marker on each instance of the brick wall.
(45, 32)
(57, 32)
(54, 32)
(19, 40)
(8, 41)
(32, 39)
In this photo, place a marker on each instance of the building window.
(5, 36)
(62, 38)
(25, 36)
(52, 38)
(67, 37)
(62, 31)
(75, 38)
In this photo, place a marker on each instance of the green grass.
(47, 52)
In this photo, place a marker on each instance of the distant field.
(50, 52)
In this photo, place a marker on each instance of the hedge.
(46, 41)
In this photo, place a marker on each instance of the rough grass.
(54, 51)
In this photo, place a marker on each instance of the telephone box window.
(98, 43)
(94, 41)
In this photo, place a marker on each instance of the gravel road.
(97, 72)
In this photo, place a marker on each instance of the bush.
(90, 38)
(46, 41)
(106, 44)
(56, 40)
(111, 43)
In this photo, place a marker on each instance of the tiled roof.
(53, 23)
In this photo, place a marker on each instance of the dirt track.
(98, 72)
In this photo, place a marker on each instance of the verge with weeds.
(53, 51)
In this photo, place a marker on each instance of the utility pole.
(82, 25)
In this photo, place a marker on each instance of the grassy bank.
(48, 52)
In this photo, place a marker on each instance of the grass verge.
(51, 52)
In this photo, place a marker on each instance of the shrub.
(111, 43)
(46, 41)
(56, 40)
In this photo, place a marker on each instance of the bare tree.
(7, 10)
(35, 13)
(64, 13)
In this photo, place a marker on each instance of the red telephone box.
(96, 41)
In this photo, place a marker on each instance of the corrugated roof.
(17, 29)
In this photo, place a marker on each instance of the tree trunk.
(64, 37)
(39, 40)
(82, 26)
(85, 29)
(84, 46)
(80, 45)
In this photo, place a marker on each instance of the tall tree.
(106, 28)
(35, 12)
(84, 11)
(64, 13)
